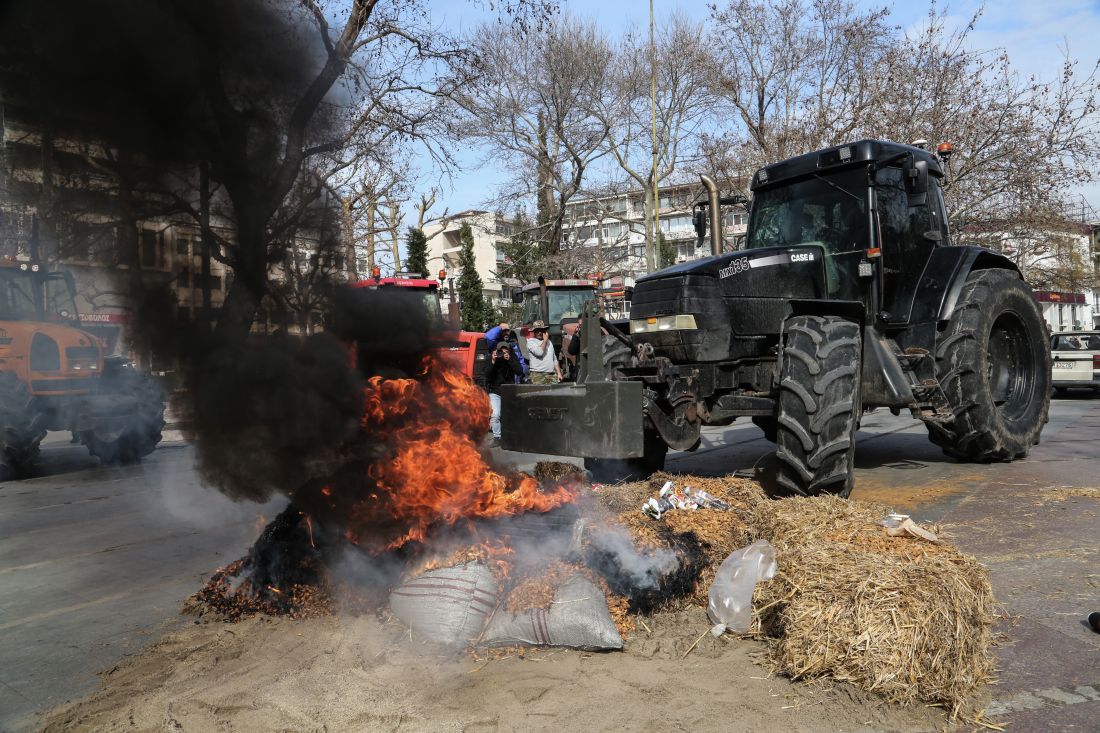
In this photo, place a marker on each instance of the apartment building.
(491, 231)
(610, 229)
(70, 218)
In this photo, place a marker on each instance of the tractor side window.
(531, 308)
(59, 300)
(905, 249)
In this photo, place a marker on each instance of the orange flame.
(434, 473)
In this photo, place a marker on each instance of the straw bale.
(900, 616)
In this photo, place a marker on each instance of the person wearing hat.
(543, 367)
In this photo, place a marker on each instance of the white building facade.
(613, 226)
(491, 231)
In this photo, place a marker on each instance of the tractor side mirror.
(517, 296)
(699, 221)
(916, 182)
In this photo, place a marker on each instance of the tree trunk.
(370, 239)
(204, 232)
(250, 281)
(650, 232)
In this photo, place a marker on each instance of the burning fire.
(434, 474)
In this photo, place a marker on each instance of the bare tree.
(794, 75)
(1022, 144)
(532, 102)
(682, 101)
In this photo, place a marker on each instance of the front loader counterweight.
(595, 418)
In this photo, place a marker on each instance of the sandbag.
(578, 618)
(449, 605)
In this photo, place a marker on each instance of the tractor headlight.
(663, 323)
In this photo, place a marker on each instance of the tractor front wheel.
(21, 427)
(141, 434)
(819, 405)
(993, 365)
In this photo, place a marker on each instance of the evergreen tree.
(525, 256)
(471, 302)
(416, 251)
(666, 252)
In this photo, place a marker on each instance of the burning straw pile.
(900, 616)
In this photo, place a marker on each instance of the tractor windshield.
(567, 303)
(17, 295)
(828, 210)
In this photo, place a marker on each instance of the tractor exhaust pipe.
(715, 215)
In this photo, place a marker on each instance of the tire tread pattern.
(819, 405)
(976, 432)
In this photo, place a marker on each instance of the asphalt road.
(95, 562)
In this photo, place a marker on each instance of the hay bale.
(899, 616)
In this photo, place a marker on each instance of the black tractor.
(848, 295)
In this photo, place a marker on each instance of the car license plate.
(1063, 365)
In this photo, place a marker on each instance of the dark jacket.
(503, 371)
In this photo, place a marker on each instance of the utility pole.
(653, 253)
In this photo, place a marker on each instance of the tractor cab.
(415, 283)
(846, 207)
(555, 302)
(466, 351)
(30, 293)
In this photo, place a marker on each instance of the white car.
(1075, 360)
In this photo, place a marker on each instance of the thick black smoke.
(146, 78)
(136, 73)
(278, 413)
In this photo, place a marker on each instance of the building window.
(150, 249)
(675, 223)
(612, 231)
(639, 250)
(183, 246)
(500, 253)
(183, 279)
(685, 249)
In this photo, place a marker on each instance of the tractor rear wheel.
(21, 427)
(993, 365)
(613, 470)
(142, 433)
(819, 405)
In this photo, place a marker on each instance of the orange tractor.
(54, 376)
(466, 351)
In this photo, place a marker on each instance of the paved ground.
(95, 562)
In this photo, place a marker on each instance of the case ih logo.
(548, 414)
(802, 257)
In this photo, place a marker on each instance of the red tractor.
(464, 350)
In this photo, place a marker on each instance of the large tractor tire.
(993, 365)
(613, 470)
(143, 432)
(819, 406)
(21, 427)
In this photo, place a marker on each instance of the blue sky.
(1034, 33)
